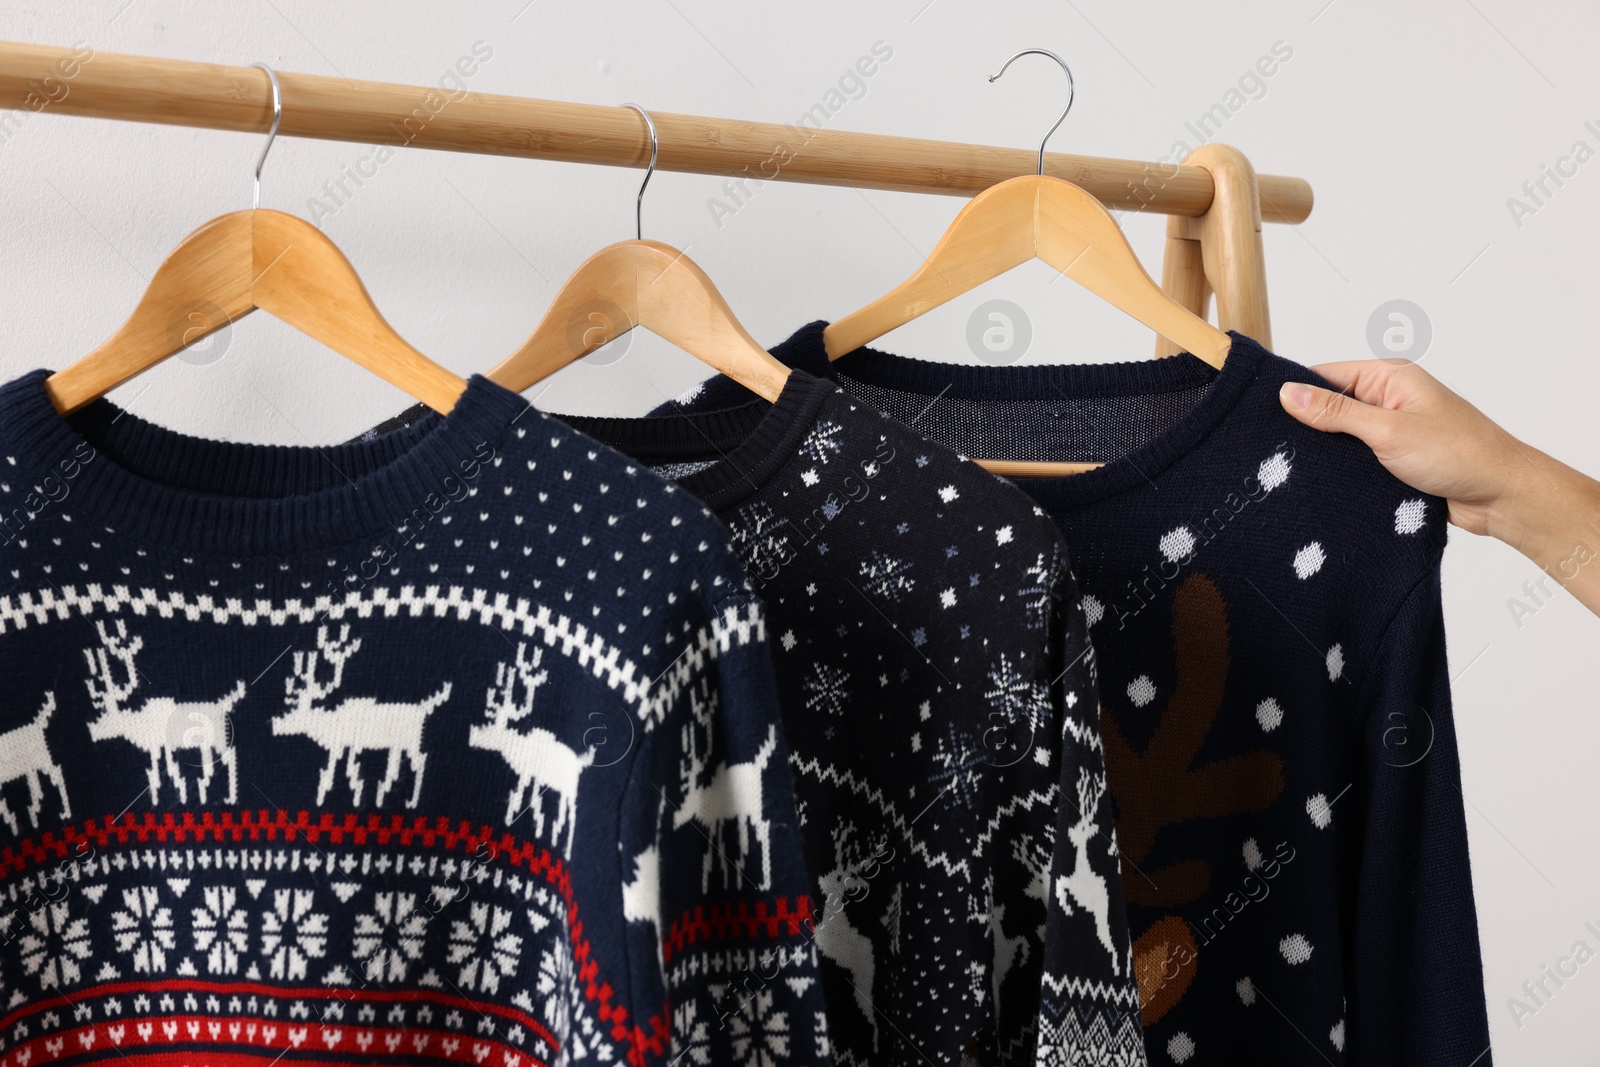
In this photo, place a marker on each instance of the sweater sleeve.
(1089, 1001)
(1416, 988)
(736, 962)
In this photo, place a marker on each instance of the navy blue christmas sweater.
(459, 745)
(1264, 604)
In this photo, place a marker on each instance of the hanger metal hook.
(1071, 91)
(272, 134)
(655, 144)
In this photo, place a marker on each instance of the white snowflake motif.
(487, 949)
(1035, 595)
(292, 934)
(221, 929)
(555, 983)
(958, 760)
(143, 929)
(691, 1033)
(825, 689)
(389, 936)
(822, 443)
(760, 537)
(886, 576)
(1017, 698)
(53, 943)
(760, 1033)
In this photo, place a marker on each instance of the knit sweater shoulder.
(1265, 608)
(408, 750)
(938, 693)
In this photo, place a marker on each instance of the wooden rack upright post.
(1216, 201)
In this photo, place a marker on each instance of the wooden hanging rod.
(177, 92)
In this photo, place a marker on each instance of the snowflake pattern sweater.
(938, 694)
(456, 746)
(1264, 604)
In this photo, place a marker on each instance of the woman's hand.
(1437, 443)
(1425, 435)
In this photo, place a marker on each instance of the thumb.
(1331, 412)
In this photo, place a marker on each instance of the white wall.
(1415, 124)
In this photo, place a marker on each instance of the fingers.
(1331, 412)
(1368, 380)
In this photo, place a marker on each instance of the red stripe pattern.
(253, 1022)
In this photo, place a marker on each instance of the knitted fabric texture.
(938, 694)
(460, 745)
(1264, 604)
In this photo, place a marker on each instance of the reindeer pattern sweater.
(1264, 605)
(455, 746)
(938, 693)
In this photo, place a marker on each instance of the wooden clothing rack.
(1215, 200)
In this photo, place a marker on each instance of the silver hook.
(272, 134)
(1071, 91)
(655, 143)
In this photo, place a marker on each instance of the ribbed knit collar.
(233, 499)
(748, 443)
(1223, 388)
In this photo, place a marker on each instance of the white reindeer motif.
(1008, 951)
(734, 794)
(24, 754)
(540, 759)
(158, 725)
(1083, 884)
(1035, 858)
(834, 936)
(358, 724)
(641, 898)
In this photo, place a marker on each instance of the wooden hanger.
(1006, 225)
(236, 264)
(642, 283)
